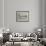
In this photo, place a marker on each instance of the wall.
(1, 15)
(35, 14)
(44, 17)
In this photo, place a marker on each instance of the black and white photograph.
(22, 22)
(22, 16)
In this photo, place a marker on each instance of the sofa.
(1, 39)
(23, 36)
(43, 41)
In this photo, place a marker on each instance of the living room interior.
(22, 22)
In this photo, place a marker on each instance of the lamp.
(7, 30)
(39, 29)
(1, 35)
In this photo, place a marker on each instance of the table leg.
(13, 42)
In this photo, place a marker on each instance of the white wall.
(44, 17)
(1, 14)
(34, 8)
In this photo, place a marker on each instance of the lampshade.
(1, 35)
(8, 29)
(39, 29)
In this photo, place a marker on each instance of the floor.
(23, 44)
(16, 45)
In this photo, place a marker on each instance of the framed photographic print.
(22, 16)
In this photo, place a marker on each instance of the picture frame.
(22, 16)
